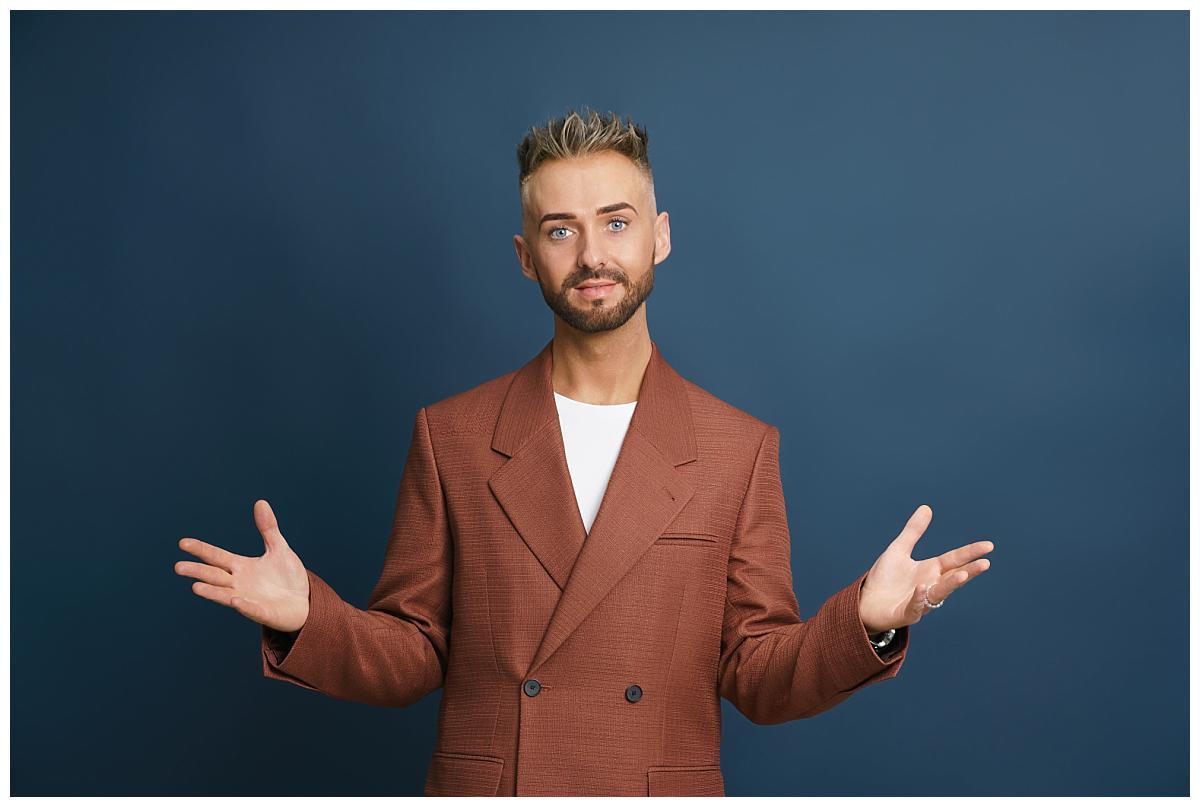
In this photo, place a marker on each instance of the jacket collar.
(645, 491)
(662, 414)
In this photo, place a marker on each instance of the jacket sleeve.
(774, 666)
(394, 652)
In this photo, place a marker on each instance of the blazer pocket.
(685, 780)
(686, 539)
(452, 774)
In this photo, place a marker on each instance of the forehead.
(579, 184)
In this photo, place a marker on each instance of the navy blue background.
(946, 253)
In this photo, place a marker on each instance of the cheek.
(553, 266)
(641, 248)
(556, 274)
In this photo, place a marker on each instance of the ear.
(523, 257)
(662, 237)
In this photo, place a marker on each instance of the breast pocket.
(695, 539)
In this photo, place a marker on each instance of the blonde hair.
(575, 135)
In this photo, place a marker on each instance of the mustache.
(616, 277)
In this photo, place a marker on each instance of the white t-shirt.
(592, 436)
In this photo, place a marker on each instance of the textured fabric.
(595, 667)
(592, 435)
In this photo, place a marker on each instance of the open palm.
(271, 589)
(894, 592)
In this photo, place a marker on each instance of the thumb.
(917, 523)
(268, 526)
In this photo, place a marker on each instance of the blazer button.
(633, 693)
(532, 687)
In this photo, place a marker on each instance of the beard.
(593, 316)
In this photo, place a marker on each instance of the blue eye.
(551, 233)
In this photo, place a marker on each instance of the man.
(589, 551)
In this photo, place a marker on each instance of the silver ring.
(927, 603)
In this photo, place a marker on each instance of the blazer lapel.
(645, 491)
(534, 486)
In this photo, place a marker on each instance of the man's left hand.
(891, 595)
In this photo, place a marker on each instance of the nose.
(592, 256)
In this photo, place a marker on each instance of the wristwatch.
(887, 637)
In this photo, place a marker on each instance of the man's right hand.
(271, 589)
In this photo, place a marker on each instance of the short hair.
(575, 135)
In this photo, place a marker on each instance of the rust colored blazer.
(576, 663)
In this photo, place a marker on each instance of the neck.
(600, 368)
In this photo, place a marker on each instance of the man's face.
(592, 219)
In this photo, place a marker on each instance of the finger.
(201, 571)
(933, 594)
(950, 582)
(268, 525)
(971, 570)
(220, 594)
(938, 591)
(213, 555)
(964, 554)
(914, 528)
(251, 609)
(916, 606)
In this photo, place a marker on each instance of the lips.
(591, 284)
(596, 291)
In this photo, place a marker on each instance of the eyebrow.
(600, 211)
